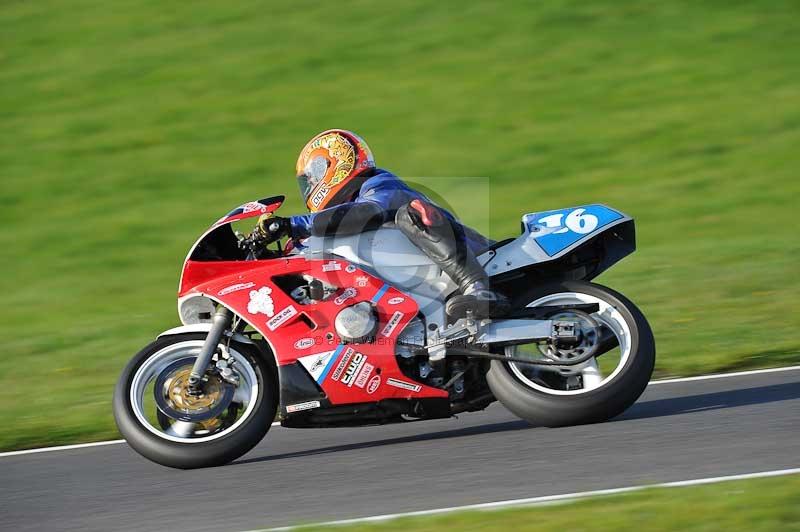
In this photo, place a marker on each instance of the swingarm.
(474, 338)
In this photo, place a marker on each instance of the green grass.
(753, 505)
(128, 128)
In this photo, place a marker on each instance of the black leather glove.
(271, 228)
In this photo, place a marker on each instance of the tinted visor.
(305, 186)
(315, 171)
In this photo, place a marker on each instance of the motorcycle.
(345, 331)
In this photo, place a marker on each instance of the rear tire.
(599, 404)
(217, 451)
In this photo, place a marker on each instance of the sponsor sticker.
(392, 324)
(348, 293)
(319, 195)
(362, 281)
(281, 317)
(337, 371)
(315, 364)
(261, 302)
(308, 405)
(352, 370)
(331, 266)
(373, 384)
(235, 288)
(318, 363)
(253, 206)
(403, 385)
(350, 268)
(364, 374)
(304, 343)
(396, 300)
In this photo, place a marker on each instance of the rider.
(346, 193)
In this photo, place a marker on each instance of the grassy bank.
(752, 505)
(129, 127)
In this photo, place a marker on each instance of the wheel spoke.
(592, 376)
(181, 429)
(242, 395)
(608, 341)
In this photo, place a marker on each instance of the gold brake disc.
(176, 391)
(210, 410)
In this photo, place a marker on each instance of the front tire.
(539, 405)
(213, 442)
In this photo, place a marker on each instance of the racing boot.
(443, 240)
(478, 298)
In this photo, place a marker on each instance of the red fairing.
(249, 210)
(199, 272)
(352, 373)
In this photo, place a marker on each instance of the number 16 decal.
(568, 226)
(576, 221)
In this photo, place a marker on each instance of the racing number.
(575, 221)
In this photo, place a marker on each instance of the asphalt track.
(677, 431)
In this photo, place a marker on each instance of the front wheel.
(594, 391)
(159, 417)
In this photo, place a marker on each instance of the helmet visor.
(314, 172)
(305, 186)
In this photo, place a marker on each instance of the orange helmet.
(331, 168)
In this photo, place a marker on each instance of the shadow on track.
(650, 409)
(456, 433)
(674, 406)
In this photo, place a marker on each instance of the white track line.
(62, 447)
(724, 375)
(69, 447)
(662, 381)
(545, 500)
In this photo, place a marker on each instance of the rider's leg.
(444, 242)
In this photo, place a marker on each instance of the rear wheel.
(165, 423)
(593, 391)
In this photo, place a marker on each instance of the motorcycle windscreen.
(251, 209)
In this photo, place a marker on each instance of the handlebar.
(256, 244)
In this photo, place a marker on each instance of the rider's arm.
(345, 219)
(376, 204)
(300, 225)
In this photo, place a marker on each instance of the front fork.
(221, 320)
